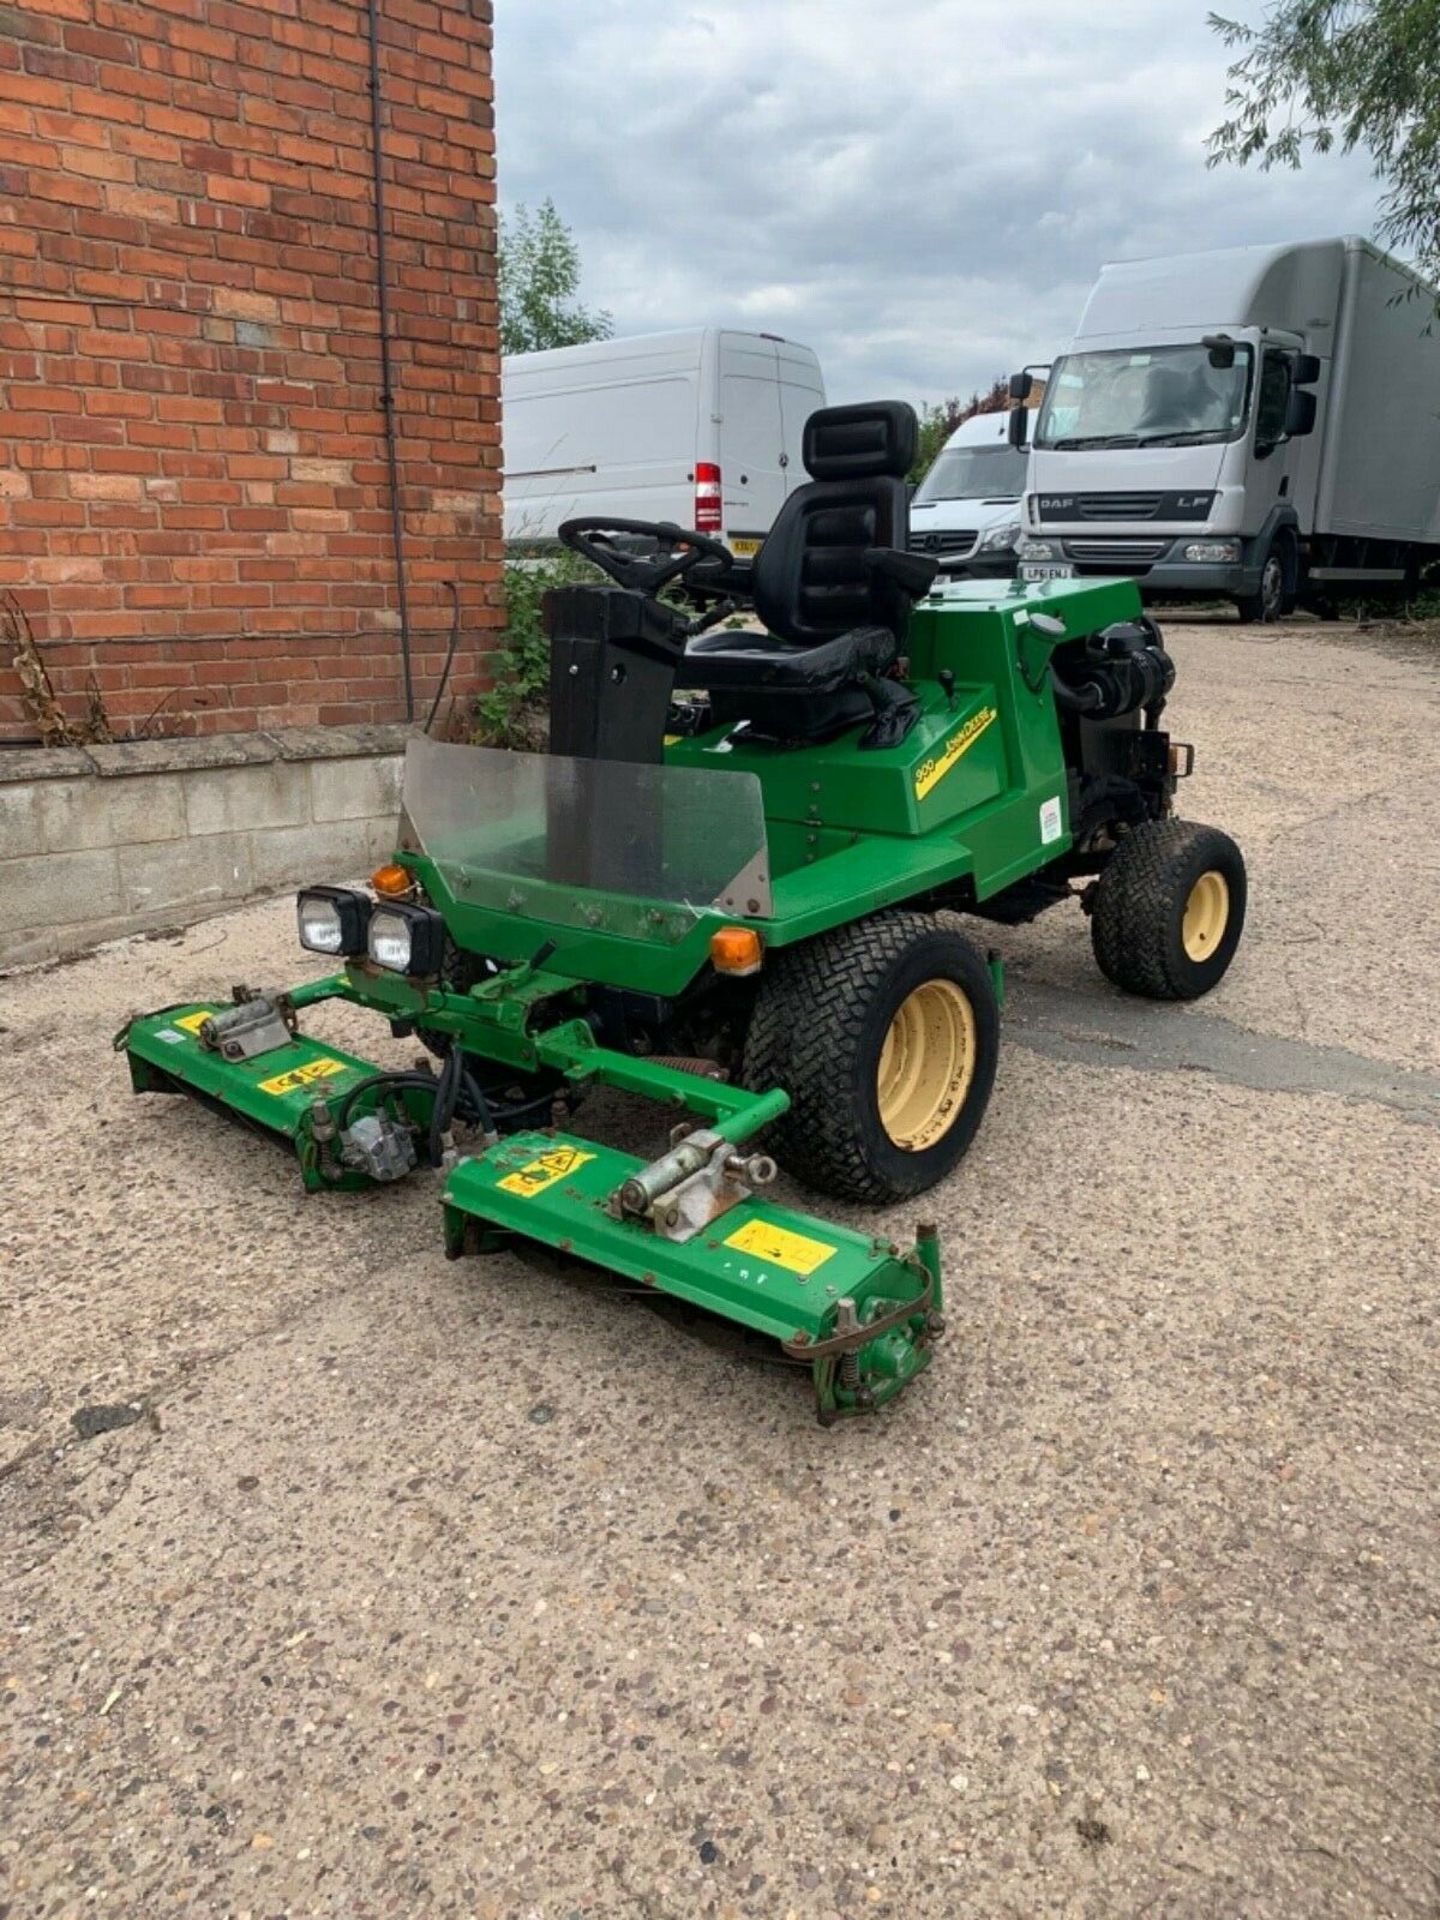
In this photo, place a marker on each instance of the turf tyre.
(819, 1029)
(1137, 926)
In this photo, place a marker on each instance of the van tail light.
(708, 514)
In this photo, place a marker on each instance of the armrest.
(714, 580)
(913, 573)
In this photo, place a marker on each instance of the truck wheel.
(1169, 910)
(885, 1034)
(1276, 595)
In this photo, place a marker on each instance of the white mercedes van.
(966, 510)
(702, 428)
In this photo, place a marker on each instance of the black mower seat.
(725, 661)
(834, 585)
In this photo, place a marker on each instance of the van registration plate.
(1046, 570)
(744, 545)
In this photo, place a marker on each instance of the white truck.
(1260, 424)
(966, 511)
(701, 427)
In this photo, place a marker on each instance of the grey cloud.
(922, 190)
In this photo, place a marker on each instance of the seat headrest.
(861, 442)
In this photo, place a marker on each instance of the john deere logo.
(931, 772)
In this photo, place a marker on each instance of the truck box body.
(1154, 458)
(692, 427)
(1379, 472)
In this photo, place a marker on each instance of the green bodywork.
(974, 799)
(849, 831)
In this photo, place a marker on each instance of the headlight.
(1222, 550)
(1038, 550)
(332, 920)
(999, 538)
(407, 939)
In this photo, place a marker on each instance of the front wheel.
(1169, 909)
(1276, 594)
(885, 1034)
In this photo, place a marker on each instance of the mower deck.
(861, 1313)
(774, 1270)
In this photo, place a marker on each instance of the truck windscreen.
(974, 473)
(1145, 397)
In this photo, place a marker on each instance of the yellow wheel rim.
(926, 1065)
(1207, 914)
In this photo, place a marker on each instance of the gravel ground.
(480, 1589)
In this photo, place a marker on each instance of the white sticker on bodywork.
(1050, 827)
(169, 1033)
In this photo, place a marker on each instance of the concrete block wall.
(103, 841)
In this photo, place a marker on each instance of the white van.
(702, 428)
(966, 510)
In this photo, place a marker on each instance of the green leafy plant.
(539, 271)
(513, 710)
(1318, 74)
(939, 420)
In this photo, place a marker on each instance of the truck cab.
(1180, 460)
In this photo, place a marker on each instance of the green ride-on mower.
(733, 885)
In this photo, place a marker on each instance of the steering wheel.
(588, 536)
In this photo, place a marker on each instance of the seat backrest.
(810, 579)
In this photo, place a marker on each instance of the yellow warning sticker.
(536, 1175)
(192, 1022)
(320, 1069)
(779, 1246)
(931, 772)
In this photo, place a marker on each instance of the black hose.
(454, 1091)
(475, 1093)
(387, 366)
(1075, 699)
(447, 1094)
(449, 657)
(389, 1081)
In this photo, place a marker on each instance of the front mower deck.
(861, 1313)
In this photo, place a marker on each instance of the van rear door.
(752, 439)
(608, 429)
(802, 392)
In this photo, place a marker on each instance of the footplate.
(805, 1282)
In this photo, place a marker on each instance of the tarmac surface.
(488, 1589)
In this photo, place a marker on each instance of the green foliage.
(1316, 74)
(505, 714)
(1422, 609)
(939, 420)
(539, 269)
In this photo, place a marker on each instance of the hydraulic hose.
(1075, 699)
(447, 1095)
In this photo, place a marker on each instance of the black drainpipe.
(387, 380)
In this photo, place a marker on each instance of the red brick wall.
(194, 501)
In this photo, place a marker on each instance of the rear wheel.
(1169, 910)
(885, 1035)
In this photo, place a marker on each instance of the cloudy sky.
(922, 190)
